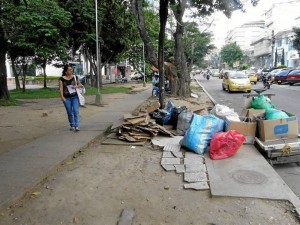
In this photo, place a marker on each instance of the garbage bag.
(223, 111)
(175, 115)
(168, 110)
(274, 114)
(225, 144)
(200, 132)
(184, 121)
(163, 116)
(261, 102)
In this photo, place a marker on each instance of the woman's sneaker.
(76, 129)
(72, 129)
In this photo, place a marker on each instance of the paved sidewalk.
(24, 167)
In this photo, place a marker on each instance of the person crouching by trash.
(155, 85)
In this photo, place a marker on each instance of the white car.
(137, 76)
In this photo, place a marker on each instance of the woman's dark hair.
(65, 69)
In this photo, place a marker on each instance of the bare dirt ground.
(96, 185)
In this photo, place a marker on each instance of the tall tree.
(38, 33)
(296, 40)
(231, 53)
(282, 57)
(178, 7)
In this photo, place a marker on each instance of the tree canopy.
(296, 41)
(231, 53)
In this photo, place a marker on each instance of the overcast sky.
(223, 24)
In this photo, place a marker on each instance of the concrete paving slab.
(172, 148)
(163, 141)
(168, 161)
(192, 155)
(248, 174)
(168, 167)
(167, 155)
(195, 168)
(195, 177)
(195, 161)
(177, 154)
(179, 168)
(199, 186)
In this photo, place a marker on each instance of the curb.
(209, 96)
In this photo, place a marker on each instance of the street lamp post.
(98, 100)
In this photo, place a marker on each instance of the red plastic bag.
(225, 144)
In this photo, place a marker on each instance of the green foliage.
(197, 44)
(45, 93)
(296, 41)
(231, 53)
(281, 67)
(244, 67)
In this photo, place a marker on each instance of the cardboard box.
(248, 129)
(253, 113)
(278, 129)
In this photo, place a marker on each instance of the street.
(286, 98)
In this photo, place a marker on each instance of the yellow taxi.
(252, 75)
(236, 81)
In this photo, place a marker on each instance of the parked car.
(252, 75)
(281, 76)
(236, 81)
(137, 76)
(274, 72)
(293, 77)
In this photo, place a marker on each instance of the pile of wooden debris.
(140, 128)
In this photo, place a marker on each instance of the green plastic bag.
(261, 102)
(275, 114)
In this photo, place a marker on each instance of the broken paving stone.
(172, 161)
(172, 148)
(197, 186)
(195, 168)
(194, 161)
(163, 141)
(167, 155)
(179, 168)
(177, 154)
(195, 177)
(191, 155)
(168, 167)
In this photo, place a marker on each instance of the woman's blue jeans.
(72, 107)
(156, 90)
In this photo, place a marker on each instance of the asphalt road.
(286, 98)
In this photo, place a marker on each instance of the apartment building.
(277, 38)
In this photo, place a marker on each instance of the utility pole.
(98, 100)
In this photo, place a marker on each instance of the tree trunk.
(137, 9)
(16, 74)
(24, 71)
(163, 15)
(4, 94)
(44, 64)
(183, 82)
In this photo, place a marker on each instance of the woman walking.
(68, 95)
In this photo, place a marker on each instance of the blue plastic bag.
(201, 131)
